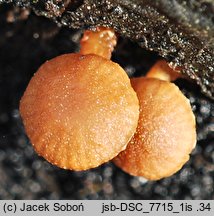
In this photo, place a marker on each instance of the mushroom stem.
(162, 71)
(100, 42)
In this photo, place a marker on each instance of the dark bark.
(181, 31)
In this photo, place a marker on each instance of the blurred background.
(27, 41)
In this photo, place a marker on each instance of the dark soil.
(25, 43)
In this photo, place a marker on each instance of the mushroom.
(166, 132)
(79, 111)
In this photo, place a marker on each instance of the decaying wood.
(182, 31)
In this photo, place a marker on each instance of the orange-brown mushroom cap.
(165, 134)
(79, 111)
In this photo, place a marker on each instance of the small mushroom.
(166, 132)
(79, 111)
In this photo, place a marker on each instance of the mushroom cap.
(79, 111)
(166, 132)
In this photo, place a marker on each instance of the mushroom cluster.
(81, 110)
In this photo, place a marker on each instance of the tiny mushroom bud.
(79, 111)
(166, 132)
(100, 42)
